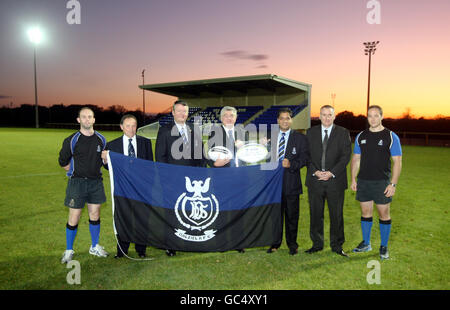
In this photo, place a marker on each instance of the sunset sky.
(318, 42)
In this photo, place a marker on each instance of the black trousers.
(124, 245)
(290, 206)
(335, 200)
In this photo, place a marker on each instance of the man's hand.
(238, 143)
(323, 175)
(105, 157)
(353, 186)
(66, 167)
(389, 191)
(264, 141)
(220, 162)
(286, 163)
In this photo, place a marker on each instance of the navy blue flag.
(195, 209)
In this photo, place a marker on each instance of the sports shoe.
(362, 247)
(98, 250)
(384, 253)
(67, 256)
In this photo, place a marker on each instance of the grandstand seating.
(270, 115)
(212, 114)
(168, 118)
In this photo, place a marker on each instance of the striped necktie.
(183, 135)
(131, 151)
(231, 137)
(281, 146)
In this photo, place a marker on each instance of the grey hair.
(226, 109)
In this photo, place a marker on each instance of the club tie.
(324, 149)
(231, 137)
(131, 151)
(281, 146)
(230, 146)
(183, 135)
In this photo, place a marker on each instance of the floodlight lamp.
(35, 35)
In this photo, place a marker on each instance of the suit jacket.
(336, 158)
(213, 140)
(298, 154)
(144, 147)
(184, 155)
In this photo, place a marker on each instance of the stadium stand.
(270, 115)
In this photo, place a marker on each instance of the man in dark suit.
(180, 143)
(292, 152)
(326, 179)
(132, 145)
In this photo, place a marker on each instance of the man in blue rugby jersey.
(374, 148)
(80, 156)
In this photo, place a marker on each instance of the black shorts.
(80, 191)
(368, 190)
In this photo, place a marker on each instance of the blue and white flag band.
(195, 209)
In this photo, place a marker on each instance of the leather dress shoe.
(171, 253)
(341, 253)
(120, 255)
(241, 250)
(142, 255)
(272, 250)
(293, 251)
(313, 250)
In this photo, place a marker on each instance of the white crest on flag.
(202, 213)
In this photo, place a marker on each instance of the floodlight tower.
(35, 36)
(369, 49)
(143, 97)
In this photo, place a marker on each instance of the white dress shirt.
(185, 130)
(126, 141)
(286, 138)
(328, 131)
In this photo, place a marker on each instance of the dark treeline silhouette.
(24, 116)
(439, 124)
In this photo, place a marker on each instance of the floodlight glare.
(35, 35)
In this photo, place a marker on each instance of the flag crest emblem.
(196, 212)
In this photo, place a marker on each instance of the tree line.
(24, 116)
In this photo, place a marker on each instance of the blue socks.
(366, 228)
(71, 232)
(385, 231)
(94, 229)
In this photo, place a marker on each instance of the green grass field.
(33, 218)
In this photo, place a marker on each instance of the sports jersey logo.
(363, 141)
(380, 142)
(196, 212)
